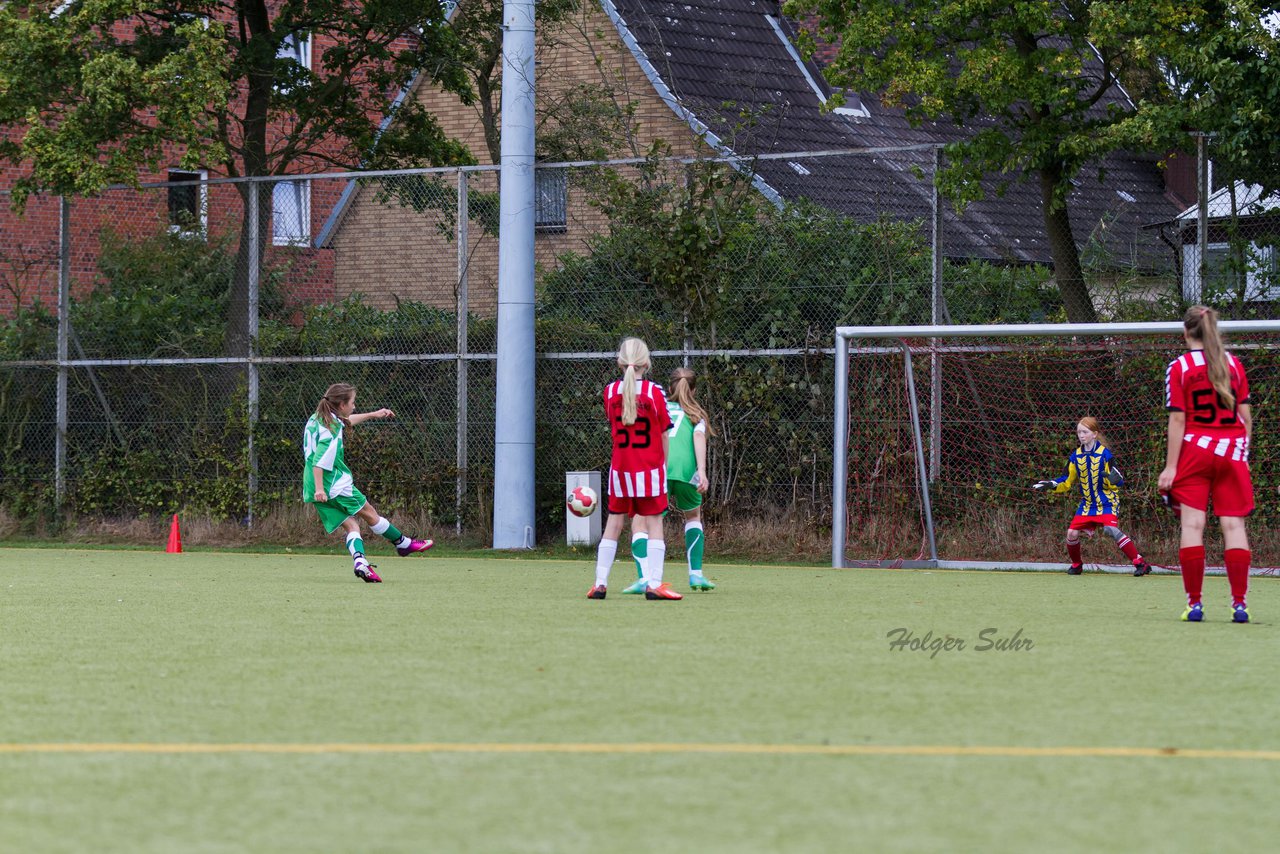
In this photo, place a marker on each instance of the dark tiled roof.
(724, 59)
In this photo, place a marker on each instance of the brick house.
(390, 253)
(179, 200)
(692, 70)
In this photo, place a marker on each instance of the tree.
(1038, 83)
(1226, 80)
(590, 121)
(93, 91)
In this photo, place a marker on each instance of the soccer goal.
(941, 430)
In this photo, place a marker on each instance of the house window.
(291, 213)
(1256, 267)
(297, 48)
(188, 202)
(551, 201)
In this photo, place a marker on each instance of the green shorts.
(339, 509)
(683, 496)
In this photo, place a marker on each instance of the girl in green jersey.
(686, 476)
(327, 482)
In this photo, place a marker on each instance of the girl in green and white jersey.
(686, 475)
(327, 482)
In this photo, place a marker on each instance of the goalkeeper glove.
(1114, 477)
(1044, 484)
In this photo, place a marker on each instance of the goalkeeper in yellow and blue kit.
(1091, 472)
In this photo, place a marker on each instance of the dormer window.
(852, 101)
(852, 105)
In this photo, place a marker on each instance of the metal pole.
(513, 470)
(64, 335)
(920, 465)
(1202, 221)
(460, 488)
(255, 265)
(687, 343)
(840, 467)
(936, 314)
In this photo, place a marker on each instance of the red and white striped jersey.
(1187, 389)
(638, 468)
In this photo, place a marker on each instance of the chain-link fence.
(202, 320)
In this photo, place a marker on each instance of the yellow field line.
(651, 748)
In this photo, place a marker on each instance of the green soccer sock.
(639, 551)
(693, 538)
(355, 544)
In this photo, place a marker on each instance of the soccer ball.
(582, 501)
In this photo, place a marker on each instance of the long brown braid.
(683, 381)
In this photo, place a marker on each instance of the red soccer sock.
(1073, 551)
(1192, 560)
(1237, 561)
(1130, 550)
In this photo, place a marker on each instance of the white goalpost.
(940, 430)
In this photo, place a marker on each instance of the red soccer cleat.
(597, 592)
(662, 591)
(415, 546)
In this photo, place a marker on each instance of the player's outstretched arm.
(358, 417)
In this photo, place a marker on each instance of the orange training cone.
(175, 537)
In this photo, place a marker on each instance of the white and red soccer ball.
(582, 501)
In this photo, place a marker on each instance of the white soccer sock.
(653, 563)
(605, 553)
(355, 545)
(380, 527)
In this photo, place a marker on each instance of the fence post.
(1202, 222)
(935, 364)
(255, 264)
(460, 488)
(64, 335)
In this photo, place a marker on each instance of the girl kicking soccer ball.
(1091, 471)
(327, 482)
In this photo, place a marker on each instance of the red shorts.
(1213, 470)
(1088, 523)
(652, 506)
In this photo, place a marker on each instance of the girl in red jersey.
(638, 421)
(1210, 423)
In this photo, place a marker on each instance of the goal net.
(940, 431)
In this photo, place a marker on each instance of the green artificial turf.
(601, 720)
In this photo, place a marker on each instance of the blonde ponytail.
(633, 358)
(629, 395)
(1201, 324)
